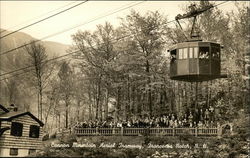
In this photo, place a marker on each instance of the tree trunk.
(59, 121)
(40, 94)
(247, 82)
(149, 86)
(98, 107)
(38, 105)
(196, 95)
(90, 103)
(173, 97)
(47, 114)
(118, 104)
(66, 114)
(41, 103)
(78, 109)
(128, 100)
(106, 104)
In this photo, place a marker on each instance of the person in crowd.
(190, 124)
(129, 124)
(200, 125)
(190, 118)
(172, 117)
(175, 123)
(194, 124)
(170, 123)
(119, 124)
(185, 122)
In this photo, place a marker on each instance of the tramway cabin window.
(195, 52)
(16, 129)
(204, 53)
(215, 53)
(180, 54)
(34, 131)
(190, 53)
(185, 53)
(173, 55)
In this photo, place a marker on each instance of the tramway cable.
(43, 19)
(37, 17)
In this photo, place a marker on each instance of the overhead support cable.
(43, 19)
(5, 30)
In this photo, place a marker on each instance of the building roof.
(14, 114)
(3, 108)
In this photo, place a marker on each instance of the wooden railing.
(63, 132)
(146, 131)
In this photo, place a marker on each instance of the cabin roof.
(192, 44)
(3, 108)
(14, 114)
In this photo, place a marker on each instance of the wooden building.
(20, 133)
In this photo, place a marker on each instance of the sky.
(17, 14)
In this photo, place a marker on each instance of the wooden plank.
(20, 144)
(26, 119)
(20, 138)
(21, 147)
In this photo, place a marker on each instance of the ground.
(234, 145)
(147, 147)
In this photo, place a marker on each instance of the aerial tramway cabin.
(20, 132)
(195, 61)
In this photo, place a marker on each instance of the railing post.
(219, 131)
(173, 131)
(196, 131)
(121, 131)
(73, 130)
(96, 131)
(113, 131)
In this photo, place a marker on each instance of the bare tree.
(37, 58)
(66, 87)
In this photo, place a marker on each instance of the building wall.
(23, 143)
(5, 152)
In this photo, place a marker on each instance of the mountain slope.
(14, 59)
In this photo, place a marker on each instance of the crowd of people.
(199, 118)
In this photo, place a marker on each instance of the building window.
(34, 131)
(13, 151)
(16, 129)
(31, 151)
